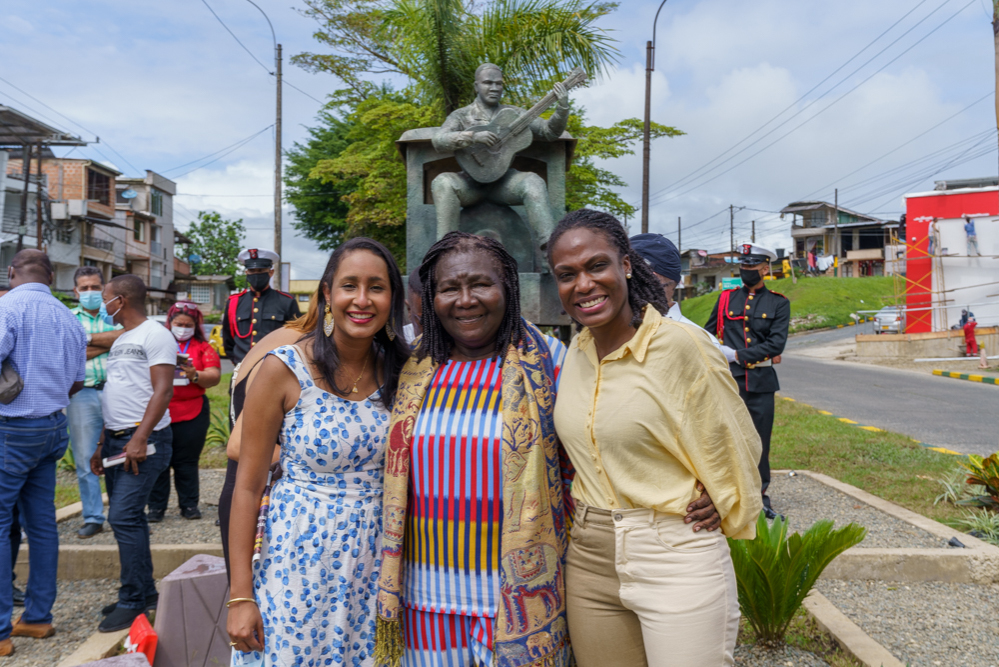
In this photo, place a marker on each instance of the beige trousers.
(644, 590)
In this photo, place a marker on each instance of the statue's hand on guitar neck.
(561, 92)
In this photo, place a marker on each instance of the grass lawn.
(886, 464)
(213, 455)
(816, 303)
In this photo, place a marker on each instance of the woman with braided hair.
(647, 413)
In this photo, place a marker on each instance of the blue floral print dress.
(316, 581)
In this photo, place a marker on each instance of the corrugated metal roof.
(17, 129)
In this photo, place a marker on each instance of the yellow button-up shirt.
(661, 412)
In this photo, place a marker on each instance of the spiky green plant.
(776, 571)
(955, 490)
(983, 523)
(218, 430)
(984, 472)
(68, 461)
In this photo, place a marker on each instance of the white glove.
(729, 353)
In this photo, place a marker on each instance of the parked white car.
(890, 319)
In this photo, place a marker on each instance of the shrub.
(984, 472)
(982, 524)
(955, 490)
(218, 430)
(776, 571)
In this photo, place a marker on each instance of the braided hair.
(437, 342)
(643, 287)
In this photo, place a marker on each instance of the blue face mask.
(108, 318)
(91, 300)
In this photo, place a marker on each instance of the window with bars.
(201, 293)
(98, 187)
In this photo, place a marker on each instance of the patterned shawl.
(530, 628)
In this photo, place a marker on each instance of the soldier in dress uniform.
(751, 323)
(257, 311)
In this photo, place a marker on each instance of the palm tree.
(437, 44)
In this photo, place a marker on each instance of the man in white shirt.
(140, 371)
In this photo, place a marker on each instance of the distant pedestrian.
(46, 345)
(84, 412)
(139, 387)
(965, 316)
(190, 414)
(970, 341)
(257, 311)
(414, 307)
(972, 236)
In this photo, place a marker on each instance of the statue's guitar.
(486, 164)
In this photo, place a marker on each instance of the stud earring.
(328, 324)
(628, 276)
(390, 332)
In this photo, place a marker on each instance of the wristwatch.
(90, 337)
(195, 380)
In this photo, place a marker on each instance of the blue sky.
(164, 84)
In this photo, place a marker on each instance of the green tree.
(217, 242)
(437, 44)
(320, 210)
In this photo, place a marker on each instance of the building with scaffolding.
(952, 248)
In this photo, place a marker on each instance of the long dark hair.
(437, 342)
(643, 287)
(393, 353)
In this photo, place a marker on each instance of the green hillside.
(816, 303)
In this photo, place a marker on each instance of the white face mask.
(182, 333)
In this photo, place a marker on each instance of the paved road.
(959, 415)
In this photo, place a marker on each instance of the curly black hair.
(437, 342)
(643, 287)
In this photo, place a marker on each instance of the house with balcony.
(857, 239)
(145, 210)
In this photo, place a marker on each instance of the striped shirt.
(47, 347)
(455, 515)
(97, 369)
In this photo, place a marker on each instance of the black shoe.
(18, 597)
(770, 514)
(119, 619)
(190, 512)
(89, 530)
(151, 603)
(154, 515)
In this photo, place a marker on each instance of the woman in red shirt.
(189, 412)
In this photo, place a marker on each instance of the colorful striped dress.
(453, 526)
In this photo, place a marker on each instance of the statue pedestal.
(508, 224)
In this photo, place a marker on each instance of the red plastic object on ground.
(142, 638)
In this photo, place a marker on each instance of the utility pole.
(836, 236)
(277, 165)
(679, 235)
(731, 229)
(646, 141)
(753, 236)
(26, 175)
(38, 197)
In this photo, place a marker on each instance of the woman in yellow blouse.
(647, 408)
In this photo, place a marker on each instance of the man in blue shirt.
(969, 230)
(46, 345)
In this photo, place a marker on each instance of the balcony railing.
(156, 249)
(100, 244)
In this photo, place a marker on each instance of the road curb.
(100, 561)
(873, 429)
(971, 377)
(850, 636)
(96, 647)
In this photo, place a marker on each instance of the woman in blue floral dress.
(310, 599)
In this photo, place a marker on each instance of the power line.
(821, 111)
(205, 2)
(288, 83)
(235, 148)
(241, 141)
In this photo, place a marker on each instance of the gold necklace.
(363, 368)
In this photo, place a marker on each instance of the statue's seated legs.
(452, 191)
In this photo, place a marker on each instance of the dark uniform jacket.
(248, 318)
(756, 328)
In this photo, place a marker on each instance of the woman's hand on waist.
(703, 512)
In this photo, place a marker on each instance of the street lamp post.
(650, 64)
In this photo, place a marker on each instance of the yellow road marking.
(826, 413)
(846, 421)
(870, 428)
(944, 450)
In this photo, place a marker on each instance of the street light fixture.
(277, 144)
(650, 63)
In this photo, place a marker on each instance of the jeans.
(29, 451)
(188, 441)
(85, 424)
(128, 495)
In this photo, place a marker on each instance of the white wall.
(973, 273)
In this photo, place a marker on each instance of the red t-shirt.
(186, 402)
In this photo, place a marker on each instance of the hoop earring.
(328, 324)
(390, 332)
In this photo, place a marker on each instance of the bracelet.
(230, 602)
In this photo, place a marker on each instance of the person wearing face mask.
(258, 310)
(751, 323)
(190, 415)
(84, 411)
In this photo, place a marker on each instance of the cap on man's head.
(659, 253)
(258, 258)
(752, 255)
